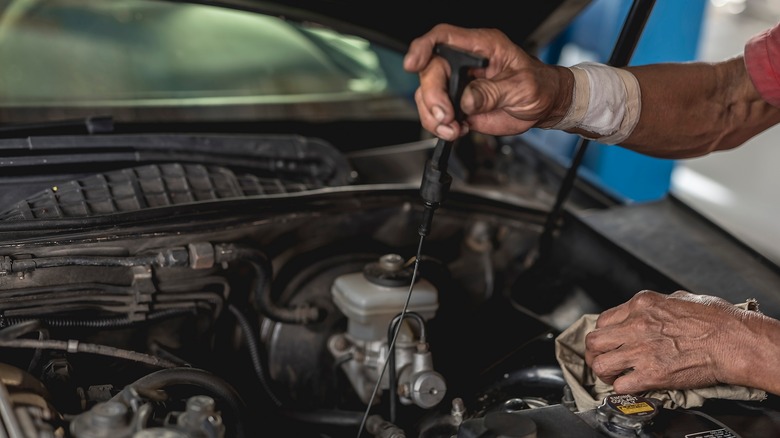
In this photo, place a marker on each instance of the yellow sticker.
(635, 408)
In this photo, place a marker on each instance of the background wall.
(672, 33)
(739, 189)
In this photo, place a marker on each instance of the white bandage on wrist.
(606, 101)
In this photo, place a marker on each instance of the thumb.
(479, 97)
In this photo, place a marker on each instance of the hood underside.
(530, 23)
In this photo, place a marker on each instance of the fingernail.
(438, 113)
(471, 100)
(407, 61)
(444, 131)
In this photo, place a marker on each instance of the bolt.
(458, 410)
(201, 404)
(340, 343)
(404, 390)
(391, 262)
(568, 399)
(458, 406)
(108, 415)
(514, 405)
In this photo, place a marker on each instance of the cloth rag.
(589, 391)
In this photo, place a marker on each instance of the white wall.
(740, 188)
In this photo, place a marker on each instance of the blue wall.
(671, 34)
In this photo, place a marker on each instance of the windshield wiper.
(89, 125)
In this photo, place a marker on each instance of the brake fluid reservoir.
(372, 298)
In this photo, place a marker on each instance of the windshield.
(144, 53)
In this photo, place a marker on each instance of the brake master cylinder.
(370, 300)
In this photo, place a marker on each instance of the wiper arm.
(90, 125)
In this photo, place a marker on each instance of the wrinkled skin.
(688, 109)
(653, 341)
(514, 93)
(680, 341)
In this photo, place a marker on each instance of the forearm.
(692, 109)
(757, 363)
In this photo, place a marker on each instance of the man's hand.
(513, 94)
(682, 341)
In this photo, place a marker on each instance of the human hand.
(676, 341)
(513, 94)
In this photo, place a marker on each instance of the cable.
(18, 330)
(262, 290)
(395, 335)
(620, 56)
(162, 258)
(103, 323)
(15, 331)
(73, 346)
(414, 315)
(391, 354)
(254, 352)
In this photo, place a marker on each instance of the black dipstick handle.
(436, 181)
(461, 64)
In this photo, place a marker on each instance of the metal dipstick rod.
(435, 181)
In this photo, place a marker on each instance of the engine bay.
(268, 308)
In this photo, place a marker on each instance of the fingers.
(420, 51)
(599, 342)
(609, 366)
(656, 341)
(613, 316)
(611, 331)
(511, 95)
(630, 382)
(642, 369)
(631, 369)
(433, 102)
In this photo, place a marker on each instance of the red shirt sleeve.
(762, 60)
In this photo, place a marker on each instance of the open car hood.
(529, 23)
(230, 258)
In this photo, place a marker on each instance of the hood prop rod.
(621, 55)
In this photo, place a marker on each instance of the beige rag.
(589, 391)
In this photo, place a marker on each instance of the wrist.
(755, 360)
(562, 99)
(605, 103)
